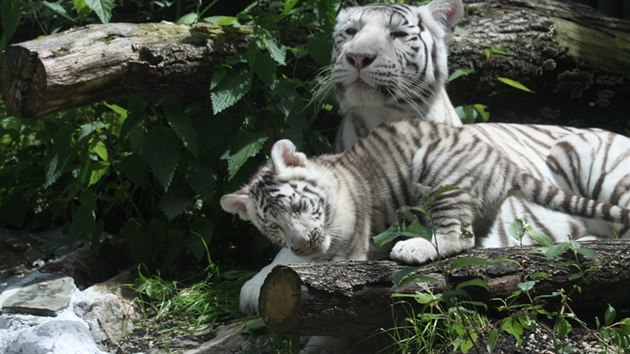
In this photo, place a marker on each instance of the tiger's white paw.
(250, 291)
(414, 250)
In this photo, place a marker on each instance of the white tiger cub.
(328, 207)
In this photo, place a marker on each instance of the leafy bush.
(152, 170)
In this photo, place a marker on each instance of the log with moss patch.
(110, 61)
(355, 298)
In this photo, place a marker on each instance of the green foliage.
(151, 171)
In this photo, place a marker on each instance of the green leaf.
(100, 150)
(221, 20)
(515, 84)
(587, 252)
(563, 327)
(182, 126)
(467, 114)
(161, 152)
(262, 64)
(624, 325)
(517, 229)
(83, 221)
(468, 261)
(482, 109)
(609, 315)
(473, 282)
(98, 170)
(387, 236)
(58, 157)
(102, 8)
(277, 53)
(288, 6)
(174, 202)
(56, 7)
(557, 249)
(459, 73)
(255, 325)
(202, 179)
(230, 89)
(540, 238)
(491, 343)
(81, 8)
(405, 277)
(245, 145)
(134, 168)
(514, 328)
(188, 19)
(10, 19)
(319, 49)
(527, 285)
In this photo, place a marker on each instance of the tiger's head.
(392, 54)
(286, 204)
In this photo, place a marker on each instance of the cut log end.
(22, 81)
(281, 299)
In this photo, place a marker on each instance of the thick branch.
(97, 62)
(354, 298)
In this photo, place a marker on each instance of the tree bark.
(577, 62)
(97, 62)
(355, 298)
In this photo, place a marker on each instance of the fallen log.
(355, 298)
(97, 62)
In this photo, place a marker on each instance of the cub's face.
(286, 202)
(291, 214)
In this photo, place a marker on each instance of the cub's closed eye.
(351, 31)
(274, 226)
(399, 34)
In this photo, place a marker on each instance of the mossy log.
(355, 298)
(98, 62)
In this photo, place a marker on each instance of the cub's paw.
(250, 291)
(414, 250)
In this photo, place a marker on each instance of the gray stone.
(108, 317)
(42, 298)
(54, 337)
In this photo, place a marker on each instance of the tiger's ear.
(284, 155)
(237, 203)
(447, 12)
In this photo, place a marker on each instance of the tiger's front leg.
(451, 215)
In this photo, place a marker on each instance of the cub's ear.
(284, 155)
(237, 203)
(447, 12)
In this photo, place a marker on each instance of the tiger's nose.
(360, 60)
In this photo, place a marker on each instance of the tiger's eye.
(399, 34)
(351, 31)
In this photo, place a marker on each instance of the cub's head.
(392, 54)
(284, 201)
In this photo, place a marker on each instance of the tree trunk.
(355, 298)
(97, 62)
(577, 62)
